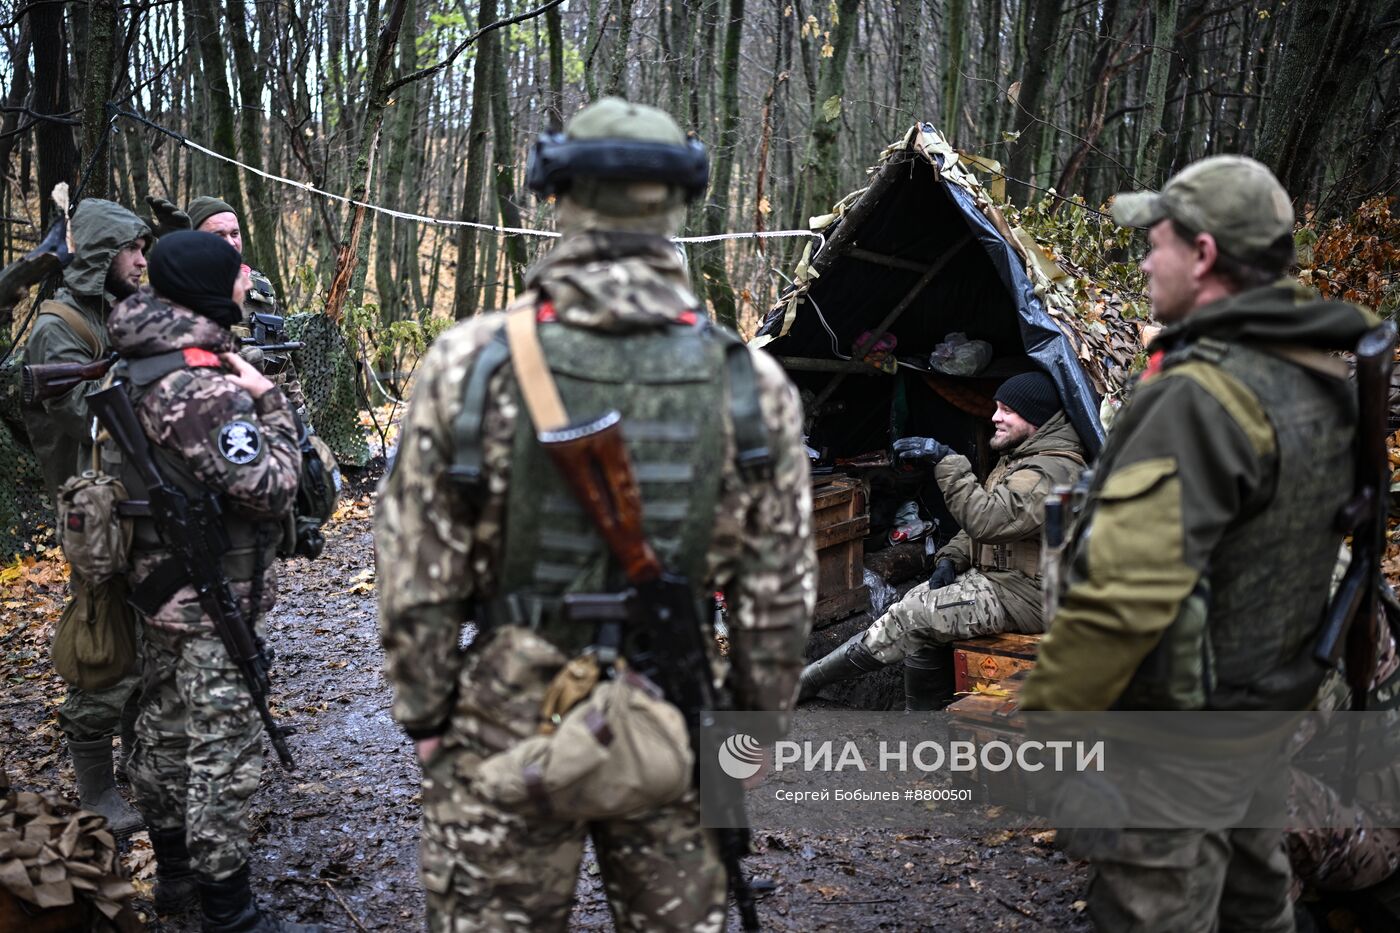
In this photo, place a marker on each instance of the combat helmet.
(612, 144)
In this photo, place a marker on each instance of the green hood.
(1284, 313)
(100, 230)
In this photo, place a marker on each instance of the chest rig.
(252, 542)
(676, 388)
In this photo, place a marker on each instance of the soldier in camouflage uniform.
(216, 424)
(1197, 574)
(987, 579)
(501, 550)
(108, 261)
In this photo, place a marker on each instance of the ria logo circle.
(740, 756)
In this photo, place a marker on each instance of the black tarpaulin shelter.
(920, 253)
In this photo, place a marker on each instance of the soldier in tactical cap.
(475, 523)
(987, 578)
(1197, 575)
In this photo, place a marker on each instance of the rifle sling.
(537, 386)
(159, 586)
(76, 323)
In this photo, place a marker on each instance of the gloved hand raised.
(925, 449)
(166, 217)
(943, 574)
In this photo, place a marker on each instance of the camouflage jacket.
(60, 428)
(190, 415)
(1010, 506)
(438, 552)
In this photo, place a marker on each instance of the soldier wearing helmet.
(475, 525)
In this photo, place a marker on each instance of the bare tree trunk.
(103, 38)
(822, 169)
(1152, 133)
(55, 150)
(207, 16)
(1029, 112)
(712, 263)
(503, 149)
(954, 57)
(617, 75)
(909, 79)
(465, 298)
(260, 243)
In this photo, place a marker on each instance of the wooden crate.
(840, 521)
(983, 718)
(991, 659)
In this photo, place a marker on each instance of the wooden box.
(991, 659)
(983, 718)
(840, 521)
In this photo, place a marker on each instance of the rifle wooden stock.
(44, 381)
(593, 460)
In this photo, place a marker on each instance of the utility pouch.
(94, 645)
(95, 537)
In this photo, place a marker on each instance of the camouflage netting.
(327, 372)
(59, 866)
(26, 515)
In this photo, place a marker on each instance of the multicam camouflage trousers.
(969, 606)
(488, 869)
(198, 750)
(1352, 853)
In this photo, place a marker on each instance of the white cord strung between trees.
(437, 221)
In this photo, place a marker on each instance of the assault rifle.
(44, 381)
(1354, 612)
(193, 530)
(270, 336)
(658, 611)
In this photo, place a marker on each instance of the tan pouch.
(95, 538)
(94, 645)
(618, 754)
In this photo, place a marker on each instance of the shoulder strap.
(537, 388)
(753, 455)
(146, 370)
(466, 428)
(76, 323)
(1316, 361)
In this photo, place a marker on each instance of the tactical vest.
(674, 386)
(1023, 555)
(1243, 640)
(252, 542)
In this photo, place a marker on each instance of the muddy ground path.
(335, 841)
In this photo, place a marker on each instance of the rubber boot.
(928, 678)
(229, 907)
(177, 888)
(128, 734)
(97, 791)
(849, 660)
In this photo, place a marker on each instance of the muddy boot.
(928, 678)
(849, 660)
(177, 889)
(97, 791)
(128, 735)
(229, 907)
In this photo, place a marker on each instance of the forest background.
(428, 107)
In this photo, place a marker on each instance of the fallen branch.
(15, 634)
(346, 907)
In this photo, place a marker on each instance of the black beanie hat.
(1030, 395)
(197, 270)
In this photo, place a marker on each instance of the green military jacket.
(60, 428)
(1009, 508)
(1211, 512)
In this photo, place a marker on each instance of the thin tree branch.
(462, 47)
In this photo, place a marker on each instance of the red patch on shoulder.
(1154, 365)
(688, 318)
(197, 356)
(546, 313)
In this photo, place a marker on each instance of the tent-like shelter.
(919, 253)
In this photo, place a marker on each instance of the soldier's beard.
(1006, 440)
(119, 287)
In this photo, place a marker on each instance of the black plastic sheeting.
(1044, 341)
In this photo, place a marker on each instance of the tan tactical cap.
(1233, 198)
(615, 118)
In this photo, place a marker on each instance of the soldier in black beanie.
(200, 271)
(987, 579)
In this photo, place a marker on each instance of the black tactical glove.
(943, 574)
(925, 449)
(166, 217)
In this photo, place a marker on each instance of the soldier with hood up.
(109, 244)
